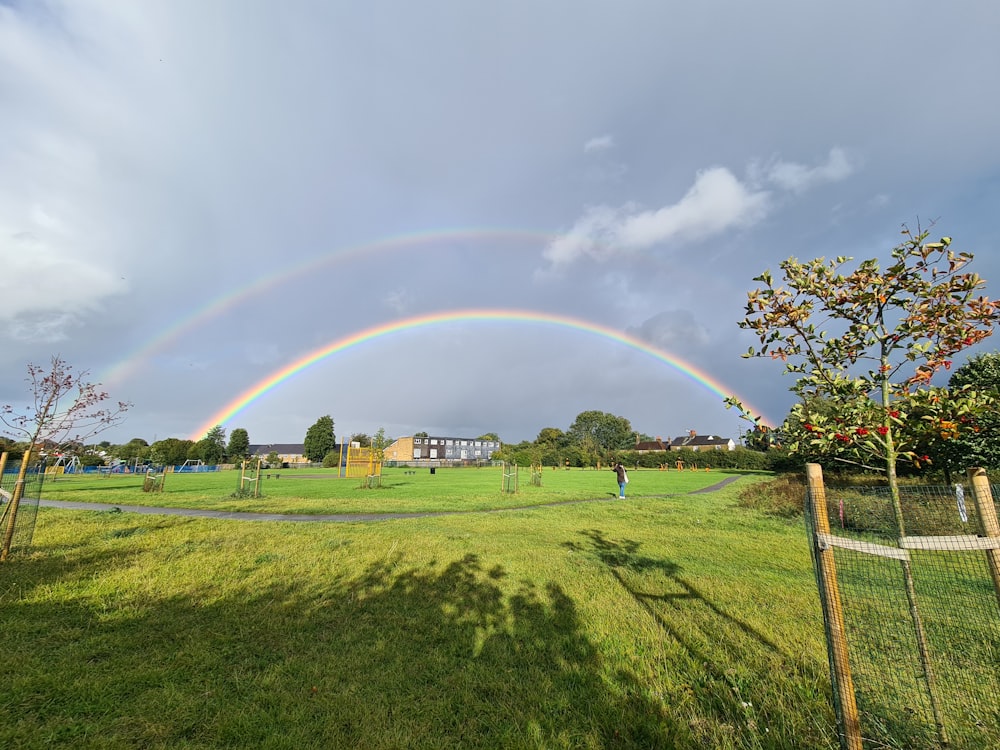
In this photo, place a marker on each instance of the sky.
(463, 217)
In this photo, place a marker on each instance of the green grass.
(320, 491)
(669, 620)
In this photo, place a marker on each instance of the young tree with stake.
(50, 419)
(865, 345)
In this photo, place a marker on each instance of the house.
(418, 448)
(695, 442)
(288, 453)
(652, 446)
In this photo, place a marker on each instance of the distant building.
(695, 442)
(441, 448)
(652, 446)
(288, 453)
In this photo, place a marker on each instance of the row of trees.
(595, 437)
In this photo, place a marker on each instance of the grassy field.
(668, 620)
(320, 491)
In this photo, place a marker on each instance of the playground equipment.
(363, 463)
(63, 466)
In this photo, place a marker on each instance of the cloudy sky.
(195, 196)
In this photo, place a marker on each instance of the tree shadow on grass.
(742, 680)
(444, 655)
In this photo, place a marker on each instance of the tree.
(600, 433)
(904, 324)
(273, 460)
(888, 333)
(170, 451)
(361, 439)
(976, 444)
(551, 436)
(320, 439)
(49, 420)
(134, 448)
(379, 443)
(239, 445)
(212, 447)
(489, 436)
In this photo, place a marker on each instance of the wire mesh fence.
(920, 613)
(27, 507)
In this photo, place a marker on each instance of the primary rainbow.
(246, 398)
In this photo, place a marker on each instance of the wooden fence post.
(988, 517)
(833, 613)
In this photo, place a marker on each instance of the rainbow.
(130, 364)
(230, 410)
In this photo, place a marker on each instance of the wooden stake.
(833, 614)
(988, 517)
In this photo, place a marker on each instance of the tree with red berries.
(865, 344)
(64, 409)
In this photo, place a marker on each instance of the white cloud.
(44, 285)
(44, 327)
(797, 178)
(599, 143)
(717, 202)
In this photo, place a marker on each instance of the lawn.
(320, 491)
(668, 620)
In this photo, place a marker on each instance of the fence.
(19, 527)
(912, 618)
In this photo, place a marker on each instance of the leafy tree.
(212, 447)
(379, 443)
(239, 445)
(976, 443)
(421, 434)
(489, 436)
(134, 448)
(12, 449)
(888, 332)
(320, 439)
(170, 451)
(599, 433)
(551, 436)
(273, 460)
(361, 439)
(48, 420)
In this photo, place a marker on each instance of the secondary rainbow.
(195, 318)
(230, 410)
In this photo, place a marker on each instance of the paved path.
(301, 517)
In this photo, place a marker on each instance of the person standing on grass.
(619, 470)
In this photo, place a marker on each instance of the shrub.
(783, 496)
